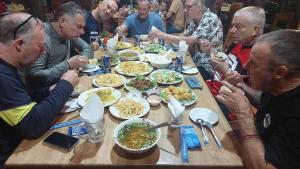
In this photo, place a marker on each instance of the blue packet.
(75, 131)
(191, 137)
(183, 146)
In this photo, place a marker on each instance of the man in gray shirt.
(62, 35)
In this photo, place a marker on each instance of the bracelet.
(245, 137)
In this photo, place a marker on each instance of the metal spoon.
(201, 122)
(209, 125)
(164, 124)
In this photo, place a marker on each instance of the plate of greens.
(154, 48)
(164, 76)
(140, 83)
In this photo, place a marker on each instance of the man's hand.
(219, 66)
(121, 30)
(77, 62)
(205, 46)
(95, 46)
(155, 34)
(71, 76)
(235, 78)
(235, 99)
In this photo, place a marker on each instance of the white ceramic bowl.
(128, 58)
(159, 61)
(135, 120)
(90, 66)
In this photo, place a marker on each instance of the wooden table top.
(33, 154)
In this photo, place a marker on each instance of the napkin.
(153, 28)
(178, 108)
(112, 42)
(93, 111)
(182, 48)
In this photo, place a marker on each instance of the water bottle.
(106, 64)
(178, 63)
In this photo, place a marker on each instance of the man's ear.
(19, 44)
(255, 31)
(280, 72)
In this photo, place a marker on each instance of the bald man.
(23, 114)
(94, 21)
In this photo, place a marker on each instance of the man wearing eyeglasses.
(94, 20)
(23, 114)
(204, 26)
(62, 35)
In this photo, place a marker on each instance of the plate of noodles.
(108, 96)
(130, 107)
(109, 80)
(133, 68)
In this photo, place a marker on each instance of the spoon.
(164, 124)
(201, 122)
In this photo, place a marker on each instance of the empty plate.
(189, 70)
(204, 114)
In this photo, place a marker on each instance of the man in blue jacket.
(25, 115)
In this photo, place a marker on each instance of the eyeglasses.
(22, 24)
(187, 7)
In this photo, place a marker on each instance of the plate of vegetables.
(140, 83)
(154, 48)
(164, 76)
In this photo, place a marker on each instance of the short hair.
(285, 48)
(199, 2)
(143, 1)
(70, 9)
(255, 15)
(10, 22)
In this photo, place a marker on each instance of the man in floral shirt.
(204, 32)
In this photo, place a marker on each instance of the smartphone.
(61, 141)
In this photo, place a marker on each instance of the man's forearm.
(173, 38)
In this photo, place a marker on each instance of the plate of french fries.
(107, 95)
(109, 80)
(130, 107)
(133, 68)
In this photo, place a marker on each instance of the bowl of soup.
(133, 135)
(128, 55)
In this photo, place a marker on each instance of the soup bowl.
(132, 135)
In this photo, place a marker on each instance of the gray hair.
(285, 48)
(70, 9)
(199, 2)
(255, 15)
(9, 23)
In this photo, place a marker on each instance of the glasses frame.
(22, 24)
(187, 7)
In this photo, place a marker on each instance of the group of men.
(38, 73)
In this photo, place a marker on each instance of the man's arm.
(39, 118)
(84, 48)
(41, 76)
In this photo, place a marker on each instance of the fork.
(209, 125)
(201, 122)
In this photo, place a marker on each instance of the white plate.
(185, 102)
(89, 70)
(129, 88)
(84, 96)
(189, 70)
(115, 112)
(120, 71)
(166, 74)
(147, 55)
(204, 114)
(123, 81)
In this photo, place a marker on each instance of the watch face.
(267, 120)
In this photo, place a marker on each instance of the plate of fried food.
(133, 68)
(108, 96)
(140, 83)
(185, 96)
(164, 76)
(123, 45)
(130, 107)
(109, 80)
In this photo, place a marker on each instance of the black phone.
(61, 141)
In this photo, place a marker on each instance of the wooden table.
(33, 154)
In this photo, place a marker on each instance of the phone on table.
(61, 141)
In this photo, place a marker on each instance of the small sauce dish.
(154, 100)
